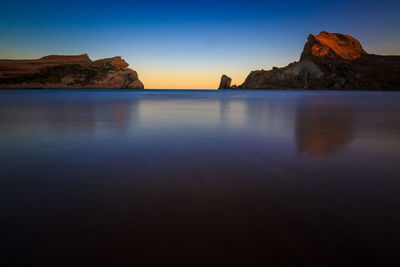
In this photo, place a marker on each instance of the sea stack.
(225, 82)
(331, 61)
(68, 72)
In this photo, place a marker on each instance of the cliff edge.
(331, 61)
(68, 72)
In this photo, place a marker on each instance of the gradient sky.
(190, 44)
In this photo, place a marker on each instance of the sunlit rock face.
(68, 72)
(117, 62)
(15, 68)
(332, 45)
(331, 61)
(225, 82)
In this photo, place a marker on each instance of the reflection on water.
(324, 125)
(155, 178)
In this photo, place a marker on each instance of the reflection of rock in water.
(83, 116)
(69, 117)
(323, 126)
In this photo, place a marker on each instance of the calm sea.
(199, 178)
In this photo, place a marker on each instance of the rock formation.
(225, 82)
(332, 45)
(331, 61)
(75, 72)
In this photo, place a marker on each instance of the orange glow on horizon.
(185, 79)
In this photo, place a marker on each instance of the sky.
(190, 44)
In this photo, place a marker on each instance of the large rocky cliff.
(75, 72)
(331, 61)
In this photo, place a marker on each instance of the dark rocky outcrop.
(331, 61)
(225, 82)
(73, 72)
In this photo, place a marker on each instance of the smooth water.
(200, 178)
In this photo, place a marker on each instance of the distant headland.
(69, 72)
(328, 61)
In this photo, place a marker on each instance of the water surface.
(200, 178)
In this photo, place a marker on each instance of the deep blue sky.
(189, 44)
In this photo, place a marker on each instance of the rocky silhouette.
(68, 72)
(331, 61)
(225, 82)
